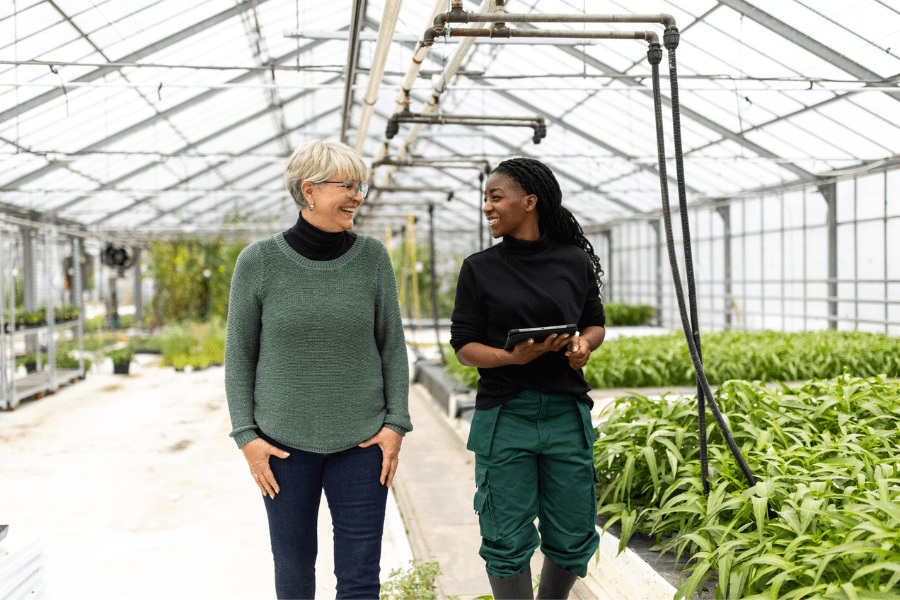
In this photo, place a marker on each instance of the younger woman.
(531, 433)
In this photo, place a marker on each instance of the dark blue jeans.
(357, 501)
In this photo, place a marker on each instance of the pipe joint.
(456, 15)
(392, 129)
(668, 20)
(430, 34)
(500, 30)
(654, 53)
(671, 38)
(651, 37)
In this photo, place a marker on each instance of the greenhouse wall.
(780, 261)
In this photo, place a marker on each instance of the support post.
(28, 288)
(607, 288)
(434, 291)
(78, 301)
(138, 298)
(49, 262)
(658, 269)
(725, 212)
(829, 192)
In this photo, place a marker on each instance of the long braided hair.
(560, 225)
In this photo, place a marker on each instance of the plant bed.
(826, 460)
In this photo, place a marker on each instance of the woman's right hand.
(527, 351)
(257, 453)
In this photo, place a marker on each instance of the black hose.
(654, 54)
(670, 39)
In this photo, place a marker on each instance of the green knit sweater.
(315, 355)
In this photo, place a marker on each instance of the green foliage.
(99, 323)
(826, 460)
(183, 292)
(766, 355)
(146, 343)
(446, 283)
(27, 359)
(414, 583)
(63, 360)
(623, 315)
(198, 345)
(121, 355)
(465, 375)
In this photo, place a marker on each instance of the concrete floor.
(137, 492)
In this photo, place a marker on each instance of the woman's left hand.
(578, 351)
(389, 441)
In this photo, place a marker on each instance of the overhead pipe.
(431, 107)
(536, 123)
(376, 72)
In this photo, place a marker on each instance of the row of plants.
(765, 355)
(38, 317)
(619, 314)
(826, 462)
(198, 345)
(64, 360)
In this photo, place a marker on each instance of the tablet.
(539, 334)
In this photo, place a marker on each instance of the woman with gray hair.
(317, 377)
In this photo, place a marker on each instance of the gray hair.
(318, 161)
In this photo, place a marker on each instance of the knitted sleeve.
(242, 344)
(392, 346)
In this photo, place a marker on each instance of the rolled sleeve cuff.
(247, 435)
(397, 428)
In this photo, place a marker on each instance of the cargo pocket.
(482, 505)
(590, 435)
(482, 430)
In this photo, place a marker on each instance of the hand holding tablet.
(538, 334)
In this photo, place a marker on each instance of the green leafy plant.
(622, 315)
(765, 355)
(193, 279)
(467, 376)
(28, 359)
(198, 345)
(826, 461)
(121, 355)
(446, 283)
(414, 583)
(146, 343)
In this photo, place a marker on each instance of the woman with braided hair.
(531, 434)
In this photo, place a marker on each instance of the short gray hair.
(317, 161)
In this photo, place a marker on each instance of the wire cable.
(654, 55)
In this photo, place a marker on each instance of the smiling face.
(333, 210)
(509, 210)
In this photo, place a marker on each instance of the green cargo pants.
(534, 459)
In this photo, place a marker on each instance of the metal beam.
(133, 57)
(686, 112)
(191, 146)
(812, 46)
(356, 23)
(208, 170)
(53, 166)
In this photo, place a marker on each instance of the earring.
(310, 207)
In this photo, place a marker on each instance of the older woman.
(317, 377)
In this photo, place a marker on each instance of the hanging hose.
(670, 40)
(654, 55)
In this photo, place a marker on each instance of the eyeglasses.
(351, 188)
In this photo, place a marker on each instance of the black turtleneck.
(311, 242)
(518, 284)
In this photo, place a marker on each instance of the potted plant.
(121, 360)
(29, 361)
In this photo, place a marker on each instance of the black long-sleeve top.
(311, 242)
(518, 284)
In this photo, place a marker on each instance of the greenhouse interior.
(734, 165)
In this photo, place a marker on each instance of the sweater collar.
(517, 246)
(313, 239)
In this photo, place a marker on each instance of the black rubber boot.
(517, 587)
(556, 582)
